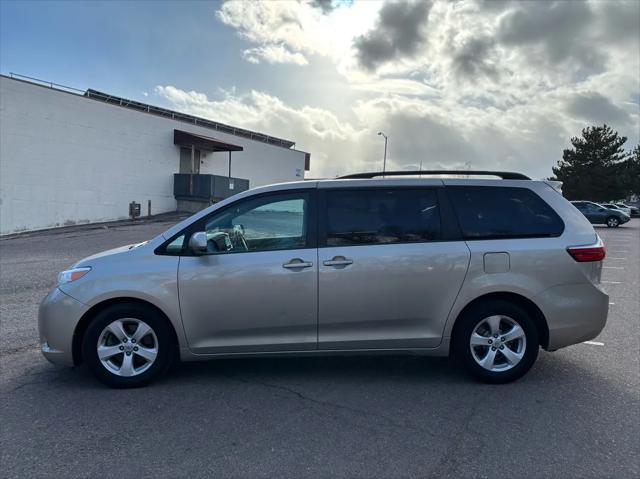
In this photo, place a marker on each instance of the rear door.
(389, 267)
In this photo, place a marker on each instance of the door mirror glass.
(198, 242)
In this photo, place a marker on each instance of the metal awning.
(201, 142)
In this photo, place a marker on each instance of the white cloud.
(275, 23)
(502, 51)
(300, 27)
(398, 86)
(527, 138)
(334, 144)
(496, 84)
(274, 54)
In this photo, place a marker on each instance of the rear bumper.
(58, 317)
(574, 313)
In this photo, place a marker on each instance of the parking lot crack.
(450, 461)
(380, 418)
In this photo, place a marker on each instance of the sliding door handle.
(297, 263)
(338, 261)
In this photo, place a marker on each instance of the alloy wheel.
(498, 343)
(127, 347)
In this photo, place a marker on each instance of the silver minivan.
(485, 270)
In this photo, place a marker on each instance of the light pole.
(384, 162)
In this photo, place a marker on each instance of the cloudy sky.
(481, 83)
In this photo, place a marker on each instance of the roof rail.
(505, 175)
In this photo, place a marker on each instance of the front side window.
(381, 216)
(592, 207)
(175, 246)
(273, 222)
(487, 212)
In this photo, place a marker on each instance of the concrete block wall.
(67, 159)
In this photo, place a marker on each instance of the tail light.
(584, 254)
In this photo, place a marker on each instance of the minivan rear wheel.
(612, 222)
(496, 341)
(128, 345)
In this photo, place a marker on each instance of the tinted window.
(501, 212)
(259, 224)
(591, 207)
(381, 216)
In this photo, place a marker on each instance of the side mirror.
(198, 242)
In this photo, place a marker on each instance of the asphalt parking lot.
(576, 414)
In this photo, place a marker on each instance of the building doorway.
(189, 161)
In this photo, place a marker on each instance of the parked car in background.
(598, 214)
(632, 211)
(486, 270)
(613, 206)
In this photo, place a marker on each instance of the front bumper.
(58, 317)
(574, 313)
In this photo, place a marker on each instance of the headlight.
(72, 274)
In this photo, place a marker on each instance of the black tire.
(468, 323)
(613, 222)
(166, 349)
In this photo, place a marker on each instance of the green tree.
(631, 172)
(594, 168)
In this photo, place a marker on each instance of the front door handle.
(297, 263)
(338, 261)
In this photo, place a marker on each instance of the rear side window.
(487, 212)
(381, 216)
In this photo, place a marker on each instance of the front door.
(256, 289)
(594, 213)
(386, 278)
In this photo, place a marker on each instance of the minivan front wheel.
(128, 345)
(613, 222)
(497, 341)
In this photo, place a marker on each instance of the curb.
(159, 218)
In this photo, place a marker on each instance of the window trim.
(450, 188)
(449, 230)
(310, 213)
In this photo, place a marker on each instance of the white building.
(69, 158)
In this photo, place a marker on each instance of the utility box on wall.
(134, 210)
